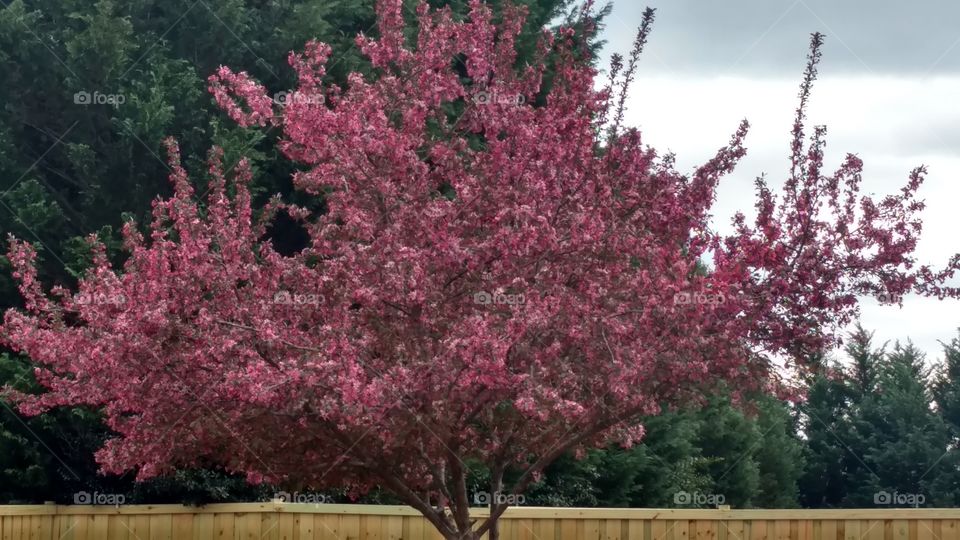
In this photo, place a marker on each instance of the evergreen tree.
(653, 473)
(862, 378)
(730, 440)
(946, 389)
(945, 485)
(650, 474)
(689, 458)
(779, 455)
(824, 417)
(901, 440)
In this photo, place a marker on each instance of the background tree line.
(879, 421)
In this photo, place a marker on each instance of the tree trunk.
(496, 485)
(469, 535)
(495, 530)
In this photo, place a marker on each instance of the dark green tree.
(945, 483)
(899, 439)
(779, 455)
(653, 473)
(730, 440)
(824, 416)
(647, 475)
(689, 458)
(946, 389)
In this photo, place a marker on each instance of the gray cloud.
(769, 37)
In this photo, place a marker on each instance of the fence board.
(161, 527)
(182, 526)
(948, 529)
(901, 529)
(828, 529)
(203, 527)
(223, 525)
(81, 528)
(547, 529)
(350, 528)
(269, 527)
(681, 530)
(118, 528)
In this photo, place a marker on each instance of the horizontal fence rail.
(284, 521)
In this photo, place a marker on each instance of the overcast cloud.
(889, 91)
(768, 37)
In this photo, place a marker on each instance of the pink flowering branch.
(495, 282)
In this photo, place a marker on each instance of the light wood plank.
(119, 527)
(140, 527)
(948, 530)
(204, 527)
(828, 530)
(182, 527)
(328, 527)
(851, 529)
(371, 527)
(224, 525)
(248, 527)
(658, 529)
(350, 528)
(161, 527)
(735, 530)
(269, 527)
(680, 529)
(634, 530)
(758, 530)
(417, 526)
(901, 529)
(546, 529)
(101, 526)
(286, 526)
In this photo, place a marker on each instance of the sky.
(889, 91)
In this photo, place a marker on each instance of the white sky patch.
(894, 123)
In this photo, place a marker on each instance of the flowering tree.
(504, 274)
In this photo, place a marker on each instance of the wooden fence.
(279, 521)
